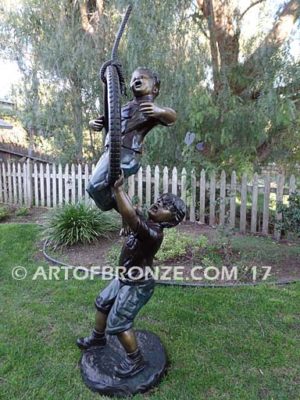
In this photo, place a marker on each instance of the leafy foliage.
(291, 215)
(4, 213)
(175, 244)
(79, 223)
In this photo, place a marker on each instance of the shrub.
(79, 223)
(4, 213)
(22, 212)
(175, 244)
(291, 215)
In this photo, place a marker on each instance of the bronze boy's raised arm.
(125, 207)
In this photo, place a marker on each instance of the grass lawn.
(236, 344)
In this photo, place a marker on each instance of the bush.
(175, 244)
(22, 212)
(78, 223)
(4, 213)
(291, 215)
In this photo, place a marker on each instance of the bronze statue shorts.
(122, 301)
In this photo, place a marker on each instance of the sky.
(9, 73)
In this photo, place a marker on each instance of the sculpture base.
(97, 366)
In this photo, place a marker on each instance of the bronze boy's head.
(168, 210)
(145, 82)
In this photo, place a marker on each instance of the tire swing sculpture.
(117, 360)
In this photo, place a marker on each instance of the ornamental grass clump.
(79, 223)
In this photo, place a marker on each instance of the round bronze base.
(97, 366)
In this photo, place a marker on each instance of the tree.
(247, 108)
(59, 47)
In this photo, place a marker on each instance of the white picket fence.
(210, 199)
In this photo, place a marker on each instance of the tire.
(114, 123)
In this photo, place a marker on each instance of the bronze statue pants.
(122, 301)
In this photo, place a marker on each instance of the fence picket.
(1, 185)
(279, 199)
(292, 188)
(86, 181)
(165, 180)
(183, 186)
(202, 198)
(131, 190)
(148, 185)
(14, 179)
(79, 180)
(232, 200)
(24, 182)
(66, 182)
(9, 183)
(60, 185)
(193, 197)
(212, 199)
(174, 181)
(156, 182)
(4, 183)
(48, 186)
(265, 226)
(54, 186)
(140, 186)
(20, 186)
(243, 208)
(36, 185)
(73, 184)
(42, 186)
(222, 198)
(254, 204)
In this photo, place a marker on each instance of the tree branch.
(248, 8)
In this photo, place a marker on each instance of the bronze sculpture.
(102, 366)
(118, 304)
(138, 117)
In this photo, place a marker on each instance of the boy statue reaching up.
(138, 117)
(119, 303)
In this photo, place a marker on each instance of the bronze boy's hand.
(97, 124)
(151, 109)
(119, 182)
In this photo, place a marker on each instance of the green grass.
(236, 344)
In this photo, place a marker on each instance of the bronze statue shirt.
(139, 250)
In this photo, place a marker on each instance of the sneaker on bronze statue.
(131, 365)
(95, 339)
